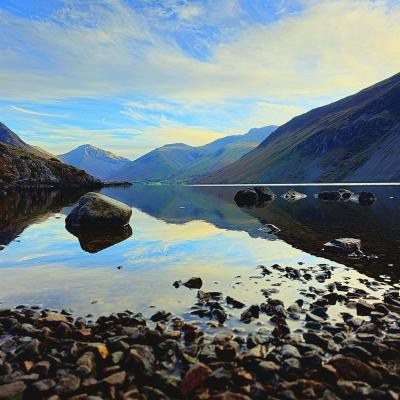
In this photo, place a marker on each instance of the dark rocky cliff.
(19, 168)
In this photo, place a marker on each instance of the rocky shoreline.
(300, 353)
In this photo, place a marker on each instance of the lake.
(178, 232)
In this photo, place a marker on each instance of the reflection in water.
(181, 232)
(306, 224)
(97, 239)
(18, 210)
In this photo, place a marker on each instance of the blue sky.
(132, 75)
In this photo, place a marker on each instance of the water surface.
(179, 232)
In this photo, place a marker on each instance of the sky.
(132, 75)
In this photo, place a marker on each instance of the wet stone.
(67, 384)
(12, 391)
(193, 283)
(44, 386)
(194, 378)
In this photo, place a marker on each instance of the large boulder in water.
(246, 197)
(96, 209)
(252, 197)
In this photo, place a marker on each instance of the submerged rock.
(98, 209)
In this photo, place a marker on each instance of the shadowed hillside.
(343, 141)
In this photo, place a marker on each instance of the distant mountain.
(7, 136)
(97, 162)
(180, 163)
(356, 139)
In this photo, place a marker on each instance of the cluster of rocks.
(260, 196)
(363, 198)
(52, 355)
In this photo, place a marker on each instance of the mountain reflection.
(305, 224)
(19, 210)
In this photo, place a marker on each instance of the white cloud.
(104, 48)
(109, 49)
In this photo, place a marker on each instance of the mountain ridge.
(7, 136)
(179, 162)
(94, 160)
(330, 143)
(22, 165)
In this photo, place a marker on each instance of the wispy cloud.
(37, 113)
(108, 48)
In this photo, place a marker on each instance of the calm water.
(179, 232)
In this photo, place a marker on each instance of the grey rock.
(289, 351)
(97, 209)
(345, 245)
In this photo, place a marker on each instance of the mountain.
(356, 139)
(97, 162)
(24, 165)
(179, 162)
(7, 136)
(22, 168)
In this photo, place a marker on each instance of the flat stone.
(12, 391)
(194, 378)
(352, 369)
(116, 379)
